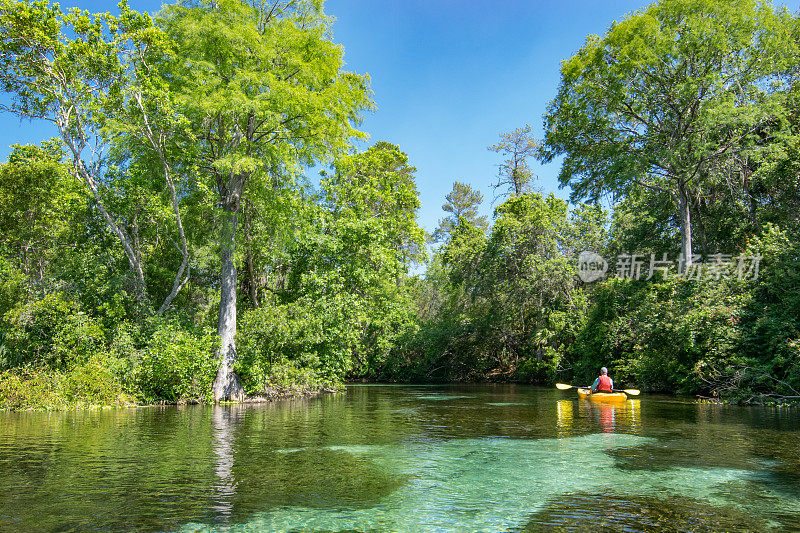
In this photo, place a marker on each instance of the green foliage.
(161, 99)
(463, 251)
(514, 173)
(507, 306)
(91, 384)
(767, 352)
(40, 204)
(462, 203)
(12, 285)
(655, 334)
(264, 93)
(176, 365)
(281, 343)
(669, 105)
(51, 332)
(379, 184)
(31, 389)
(241, 63)
(667, 68)
(96, 382)
(731, 338)
(113, 271)
(338, 304)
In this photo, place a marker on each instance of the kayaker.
(603, 383)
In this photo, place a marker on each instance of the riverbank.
(46, 390)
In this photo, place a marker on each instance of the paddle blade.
(632, 392)
(564, 386)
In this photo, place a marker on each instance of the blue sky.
(448, 76)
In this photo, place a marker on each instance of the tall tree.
(263, 88)
(39, 201)
(149, 123)
(91, 76)
(379, 183)
(66, 80)
(462, 202)
(515, 174)
(666, 96)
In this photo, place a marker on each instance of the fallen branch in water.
(737, 384)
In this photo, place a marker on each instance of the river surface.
(405, 458)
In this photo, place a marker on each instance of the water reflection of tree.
(224, 420)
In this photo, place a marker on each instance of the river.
(405, 458)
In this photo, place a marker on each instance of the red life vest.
(604, 385)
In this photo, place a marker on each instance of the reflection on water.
(468, 458)
(608, 417)
(223, 419)
(564, 412)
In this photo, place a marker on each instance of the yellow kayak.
(602, 396)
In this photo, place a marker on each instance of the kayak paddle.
(564, 386)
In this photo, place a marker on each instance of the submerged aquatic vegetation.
(634, 513)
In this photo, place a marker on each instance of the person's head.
(603, 371)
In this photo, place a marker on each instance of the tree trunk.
(686, 227)
(248, 239)
(226, 383)
(180, 280)
(128, 245)
(700, 226)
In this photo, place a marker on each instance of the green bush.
(96, 382)
(766, 361)
(12, 286)
(292, 346)
(52, 332)
(175, 365)
(655, 334)
(733, 338)
(93, 383)
(31, 389)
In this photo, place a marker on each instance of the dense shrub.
(292, 346)
(52, 331)
(729, 337)
(12, 285)
(96, 382)
(766, 360)
(177, 364)
(655, 334)
(93, 383)
(31, 389)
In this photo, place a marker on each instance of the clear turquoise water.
(405, 458)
